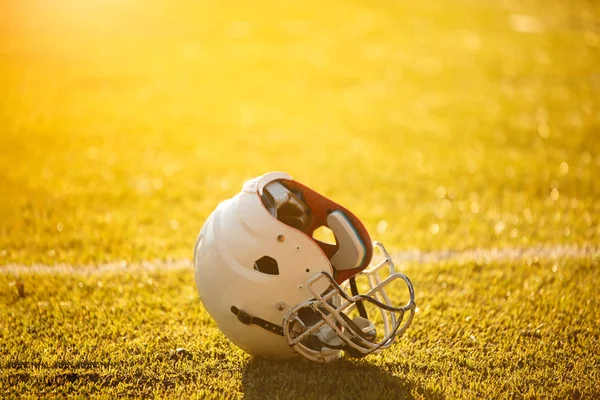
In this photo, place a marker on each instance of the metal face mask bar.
(333, 330)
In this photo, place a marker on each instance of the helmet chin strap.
(359, 304)
(248, 319)
(316, 341)
(325, 338)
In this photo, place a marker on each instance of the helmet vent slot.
(267, 265)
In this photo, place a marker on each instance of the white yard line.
(542, 252)
(539, 252)
(114, 267)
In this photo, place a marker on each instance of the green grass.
(525, 329)
(442, 125)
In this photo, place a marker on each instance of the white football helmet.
(275, 291)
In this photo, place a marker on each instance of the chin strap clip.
(248, 319)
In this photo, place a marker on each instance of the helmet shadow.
(340, 379)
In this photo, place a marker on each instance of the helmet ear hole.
(267, 265)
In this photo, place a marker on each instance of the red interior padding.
(321, 207)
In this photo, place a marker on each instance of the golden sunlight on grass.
(123, 120)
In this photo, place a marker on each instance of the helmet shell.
(237, 234)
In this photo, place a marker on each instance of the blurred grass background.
(441, 124)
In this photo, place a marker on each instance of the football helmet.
(276, 291)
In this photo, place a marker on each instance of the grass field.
(450, 128)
